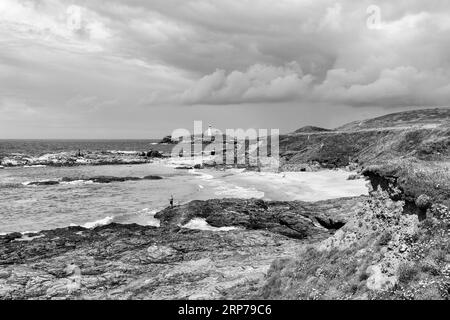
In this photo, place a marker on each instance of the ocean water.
(40, 147)
(28, 208)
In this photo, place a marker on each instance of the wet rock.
(43, 183)
(109, 179)
(154, 154)
(64, 159)
(152, 177)
(168, 140)
(96, 179)
(12, 236)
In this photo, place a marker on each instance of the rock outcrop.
(421, 134)
(170, 262)
(66, 159)
(136, 262)
(96, 179)
(168, 140)
(380, 253)
(294, 219)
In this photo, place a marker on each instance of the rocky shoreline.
(365, 247)
(96, 179)
(170, 262)
(93, 158)
(392, 244)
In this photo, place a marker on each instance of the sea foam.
(201, 224)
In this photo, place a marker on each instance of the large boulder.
(167, 140)
(154, 154)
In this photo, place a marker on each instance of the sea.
(31, 208)
(38, 147)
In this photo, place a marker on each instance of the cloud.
(342, 60)
(259, 83)
(11, 107)
(128, 58)
(54, 23)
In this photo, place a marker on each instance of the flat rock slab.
(137, 262)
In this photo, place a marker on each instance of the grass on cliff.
(426, 272)
(423, 134)
(424, 117)
(341, 274)
(317, 274)
(417, 177)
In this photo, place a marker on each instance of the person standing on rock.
(171, 201)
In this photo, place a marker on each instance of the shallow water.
(33, 208)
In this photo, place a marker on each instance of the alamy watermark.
(74, 16)
(373, 21)
(251, 147)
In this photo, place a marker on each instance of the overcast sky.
(141, 68)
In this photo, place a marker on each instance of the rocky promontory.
(350, 248)
(392, 244)
(67, 159)
(170, 262)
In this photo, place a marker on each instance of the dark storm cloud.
(139, 57)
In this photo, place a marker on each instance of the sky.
(140, 69)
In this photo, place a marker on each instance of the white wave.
(35, 166)
(28, 232)
(150, 219)
(25, 234)
(77, 182)
(187, 161)
(98, 223)
(232, 191)
(29, 183)
(203, 176)
(201, 224)
(236, 170)
(224, 189)
(28, 238)
(82, 161)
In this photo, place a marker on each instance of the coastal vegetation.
(392, 244)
